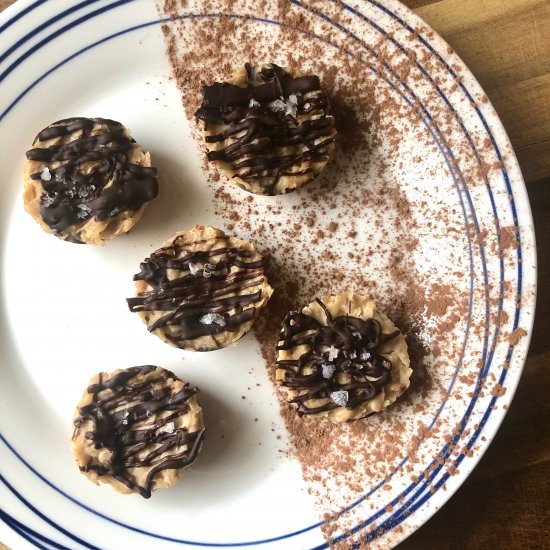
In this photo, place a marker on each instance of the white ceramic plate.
(63, 315)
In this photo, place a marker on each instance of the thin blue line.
(486, 367)
(19, 15)
(57, 33)
(43, 26)
(44, 517)
(426, 112)
(452, 173)
(22, 529)
(461, 457)
(393, 523)
(487, 129)
(443, 452)
(23, 533)
(470, 142)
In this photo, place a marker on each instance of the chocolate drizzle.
(207, 297)
(276, 125)
(341, 365)
(126, 421)
(89, 174)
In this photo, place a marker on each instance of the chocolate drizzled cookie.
(137, 429)
(202, 290)
(267, 130)
(340, 358)
(87, 180)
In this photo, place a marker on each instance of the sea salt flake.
(365, 356)
(254, 103)
(277, 105)
(206, 274)
(291, 107)
(47, 200)
(356, 334)
(352, 354)
(333, 353)
(307, 105)
(83, 211)
(193, 268)
(46, 175)
(212, 318)
(169, 428)
(340, 397)
(328, 370)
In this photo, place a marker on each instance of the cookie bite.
(267, 130)
(202, 290)
(341, 358)
(86, 180)
(136, 429)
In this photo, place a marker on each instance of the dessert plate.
(423, 207)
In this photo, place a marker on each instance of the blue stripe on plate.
(29, 534)
(57, 33)
(43, 26)
(19, 15)
(42, 516)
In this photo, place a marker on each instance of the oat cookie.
(86, 180)
(267, 130)
(202, 290)
(341, 358)
(136, 429)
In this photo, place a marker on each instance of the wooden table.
(505, 504)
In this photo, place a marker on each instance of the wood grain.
(505, 503)
(3, 5)
(506, 44)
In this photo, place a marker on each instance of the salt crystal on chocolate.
(193, 268)
(212, 319)
(328, 370)
(333, 353)
(254, 103)
(291, 107)
(45, 175)
(340, 397)
(168, 428)
(277, 105)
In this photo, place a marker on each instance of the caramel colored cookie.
(86, 180)
(202, 290)
(268, 131)
(341, 358)
(136, 429)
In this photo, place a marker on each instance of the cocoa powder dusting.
(379, 221)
